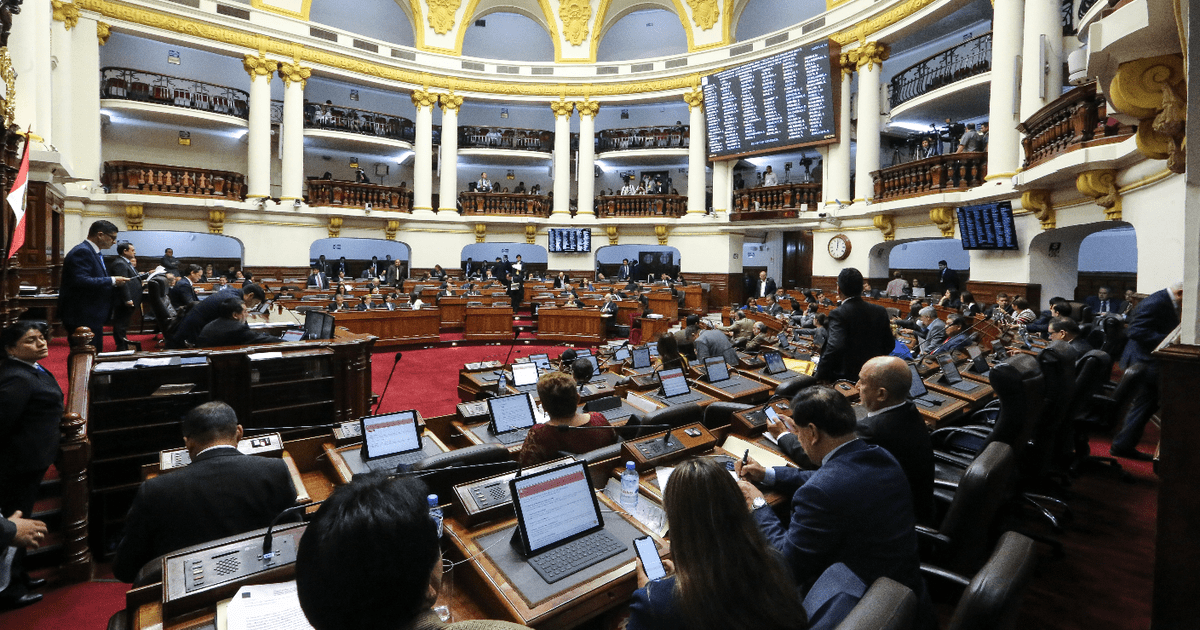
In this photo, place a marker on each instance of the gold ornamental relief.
(441, 15)
(65, 12)
(294, 73)
(943, 218)
(705, 13)
(562, 108)
(575, 15)
(886, 224)
(451, 101)
(259, 66)
(1038, 202)
(103, 31)
(587, 107)
(423, 99)
(694, 99)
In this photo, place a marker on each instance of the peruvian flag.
(16, 200)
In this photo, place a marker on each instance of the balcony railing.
(783, 201)
(611, 206)
(643, 138)
(325, 192)
(180, 181)
(354, 120)
(505, 204)
(937, 174)
(505, 138)
(1076, 119)
(151, 87)
(965, 60)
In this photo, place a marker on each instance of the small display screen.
(674, 383)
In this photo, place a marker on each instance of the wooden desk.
(665, 304)
(453, 310)
(343, 471)
(693, 298)
(391, 328)
(751, 395)
(488, 323)
(578, 325)
(653, 327)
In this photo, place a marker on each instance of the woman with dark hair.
(969, 307)
(669, 356)
(342, 290)
(950, 299)
(1024, 315)
(559, 396)
(725, 574)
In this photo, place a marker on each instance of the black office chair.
(887, 605)
(160, 304)
(1107, 411)
(1020, 388)
(992, 599)
(792, 386)
(1091, 376)
(446, 470)
(963, 537)
(720, 413)
(1114, 336)
(675, 416)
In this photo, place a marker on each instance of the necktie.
(1104, 306)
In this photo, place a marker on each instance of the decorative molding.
(134, 217)
(103, 30)
(562, 107)
(530, 233)
(216, 221)
(424, 98)
(943, 218)
(587, 107)
(1038, 201)
(441, 14)
(705, 13)
(335, 227)
(613, 235)
(885, 223)
(847, 64)
(259, 66)
(9, 74)
(575, 15)
(451, 102)
(1154, 90)
(390, 228)
(694, 98)
(1101, 185)
(302, 14)
(859, 32)
(293, 72)
(869, 54)
(661, 232)
(480, 232)
(65, 12)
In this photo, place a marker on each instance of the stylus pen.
(746, 457)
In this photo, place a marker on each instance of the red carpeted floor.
(1104, 582)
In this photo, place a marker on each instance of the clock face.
(839, 247)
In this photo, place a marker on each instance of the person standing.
(1153, 319)
(947, 276)
(169, 261)
(394, 276)
(769, 178)
(857, 332)
(766, 286)
(483, 185)
(624, 272)
(128, 299)
(85, 297)
(897, 286)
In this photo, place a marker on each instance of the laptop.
(675, 389)
(525, 376)
(391, 440)
(622, 354)
(560, 530)
(784, 342)
(920, 394)
(542, 361)
(951, 376)
(587, 354)
(775, 365)
(512, 417)
(979, 364)
(292, 334)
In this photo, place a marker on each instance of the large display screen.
(783, 101)
(570, 240)
(987, 226)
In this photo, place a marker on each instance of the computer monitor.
(554, 506)
(715, 369)
(387, 434)
(313, 321)
(510, 413)
(673, 382)
(524, 374)
(774, 361)
(327, 326)
(641, 358)
(590, 359)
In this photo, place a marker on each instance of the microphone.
(388, 383)
(512, 345)
(268, 541)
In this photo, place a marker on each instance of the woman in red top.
(560, 400)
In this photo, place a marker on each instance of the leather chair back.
(992, 601)
(160, 304)
(1114, 336)
(1020, 386)
(986, 485)
(887, 605)
(675, 416)
(720, 413)
(1057, 362)
(1091, 373)
(462, 465)
(1122, 396)
(1081, 312)
(789, 388)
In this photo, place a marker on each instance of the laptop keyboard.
(576, 556)
(512, 437)
(734, 385)
(965, 386)
(390, 463)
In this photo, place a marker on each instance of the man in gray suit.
(714, 343)
(932, 331)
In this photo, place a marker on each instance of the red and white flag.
(16, 200)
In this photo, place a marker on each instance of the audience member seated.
(725, 575)
(931, 331)
(958, 333)
(1059, 307)
(371, 559)
(1024, 314)
(1067, 329)
(183, 293)
(1104, 302)
(230, 327)
(559, 395)
(221, 493)
(669, 356)
(762, 338)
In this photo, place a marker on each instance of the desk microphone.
(389, 382)
(268, 540)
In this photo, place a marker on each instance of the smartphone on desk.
(648, 553)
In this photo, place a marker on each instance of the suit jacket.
(855, 509)
(1081, 346)
(949, 279)
(1116, 306)
(714, 343)
(393, 276)
(170, 263)
(85, 297)
(221, 493)
(858, 332)
(740, 328)
(183, 293)
(372, 271)
(609, 308)
(932, 337)
(623, 273)
(761, 291)
(224, 331)
(1153, 319)
(903, 433)
(201, 314)
(132, 291)
(318, 281)
(774, 309)
(33, 407)
(8, 531)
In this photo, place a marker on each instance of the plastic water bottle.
(435, 512)
(629, 487)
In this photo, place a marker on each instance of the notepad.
(735, 444)
(264, 606)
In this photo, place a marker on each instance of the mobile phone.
(772, 416)
(648, 553)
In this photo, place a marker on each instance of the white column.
(1041, 83)
(448, 193)
(1004, 141)
(295, 78)
(870, 67)
(587, 157)
(562, 156)
(86, 98)
(423, 167)
(837, 169)
(697, 153)
(29, 47)
(258, 163)
(722, 185)
(62, 79)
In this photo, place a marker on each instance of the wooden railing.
(354, 120)
(505, 204)
(75, 454)
(151, 87)
(965, 60)
(1073, 120)
(608, 206)
(326, 192)
(643, 138)
(782, 197)
(180, 181)
(940, 173)
(470, 137)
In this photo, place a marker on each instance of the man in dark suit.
(773, 307)
(85, 297)
(515, 289)
(128, 299)
(221, 493)
(947, 277)
(373, 269)
(340, 270)
(169, 261)
(623, 272)
(766, 286)
(394, 276)
(323, 266)
(206, 310)
(317, 278)
(1067, 329)
(1153, 319)
(1104, 302)
(856, 508)
(230, 328)
(858, 331)
(931, 331)
(184, 293)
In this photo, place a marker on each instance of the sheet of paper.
(153, 362)
(114, 366)
(262, 356)
(767, 434)
(641, 404)
(737, 445)
(647, 512)
(267, 607)
(663, 473)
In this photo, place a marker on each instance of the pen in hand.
(746, 457)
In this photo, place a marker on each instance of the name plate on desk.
(651, 451)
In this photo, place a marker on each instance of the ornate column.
(587, 156)
(295, 78)
(1041, 83)
(29, 50)
(423, 168)
(1004, 141)
(65, 16)
(837, 170)
(88, 37)
(869, 61)
(562, 155)
(697, 152)
(258, 164)
(448, 192)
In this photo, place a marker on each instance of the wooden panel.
(453, 311)
(653, 327)
(1090, 282)
(393, 327)
(1177, 548)
(797, 259)
(665, 304)
(487, 323)
(580, 325)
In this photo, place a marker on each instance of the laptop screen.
(312, 324)
(390, 433)
(641, 358)
(292, 335)
(674, 383)
(653, 348)
(949, 370)
(542, 361)
(583, 352)
(973, 351)
(524, 374)
(716, 369)
(555, 505)
(774, 362)
(622, 354)
(510, 413)
(917, 388)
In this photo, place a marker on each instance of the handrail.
(474, 203)
(484, 137)
(326, 192)
(643, 137)
(940, 173)
(1072, 120)
(774, 198)
(152, 87)
(355, 120)
(669, 206)
(75, 454)
(970, 58)
(179, 181)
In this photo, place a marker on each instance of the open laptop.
(292, 334)
(560, 530)
(717, 374)
(525, 376)
(951, 376)
(920, 394)
(391, 440)
(512, 417)
(675, 389)
(591, 358)
(542, 361)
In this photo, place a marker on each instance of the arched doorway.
(1073, 262)
(917, 259)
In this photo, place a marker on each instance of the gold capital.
(134, 216)
(480, 232)
(587, 107)
(886, 223)
(1101, 185)
(390, 229)
(562, 107)
(102, 32)
(848, 63)
(694, 99)
(530, 233)
(661, 232)
(424, 98)
(65, 12)
(943, 218)
(292, 72)
(451, 102)
(335, 227)
(613, 236)
(1038, 201)
(259, 66)
(871, 53)
(216, 221)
